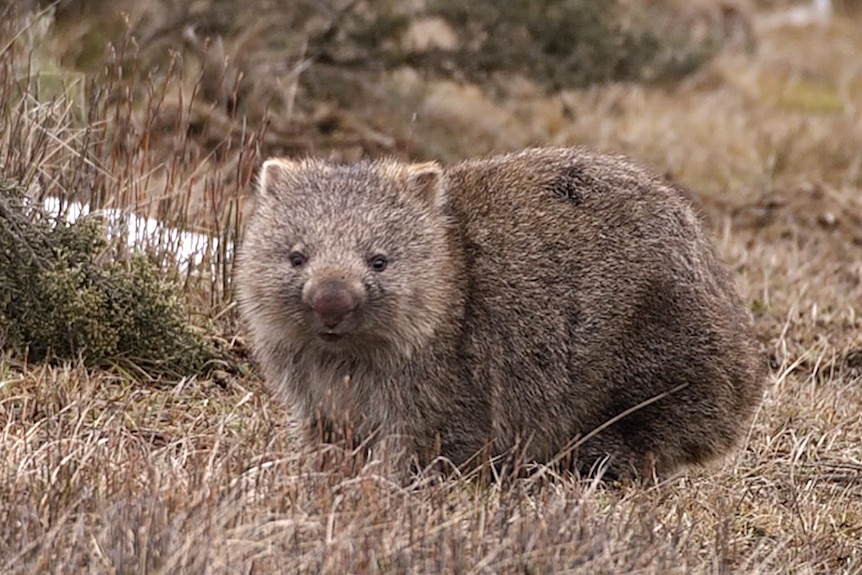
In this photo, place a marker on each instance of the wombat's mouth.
(330, 336)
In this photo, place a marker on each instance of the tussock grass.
(203, 474)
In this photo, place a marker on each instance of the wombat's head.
(347, 258)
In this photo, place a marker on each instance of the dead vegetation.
(105, 474)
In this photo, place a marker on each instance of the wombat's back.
(597, 302)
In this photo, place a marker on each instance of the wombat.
(539, 301)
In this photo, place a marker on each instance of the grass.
(103, 472)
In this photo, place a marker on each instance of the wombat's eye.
(378, 263)
(297, 259)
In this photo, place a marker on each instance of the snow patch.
(188, 248)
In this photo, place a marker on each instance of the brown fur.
(527, 300)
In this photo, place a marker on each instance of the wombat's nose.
(332, 302)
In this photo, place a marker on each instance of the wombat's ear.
(426, 180)
(276, 174)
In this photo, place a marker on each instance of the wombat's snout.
(332, 302)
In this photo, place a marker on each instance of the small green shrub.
(561, 43)
(59, 301)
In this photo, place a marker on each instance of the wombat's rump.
(538, 300)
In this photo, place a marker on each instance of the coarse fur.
(535, 301)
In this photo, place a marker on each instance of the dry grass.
(104, 474)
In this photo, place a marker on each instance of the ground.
(105, 471)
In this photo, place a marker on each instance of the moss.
(60, 301)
